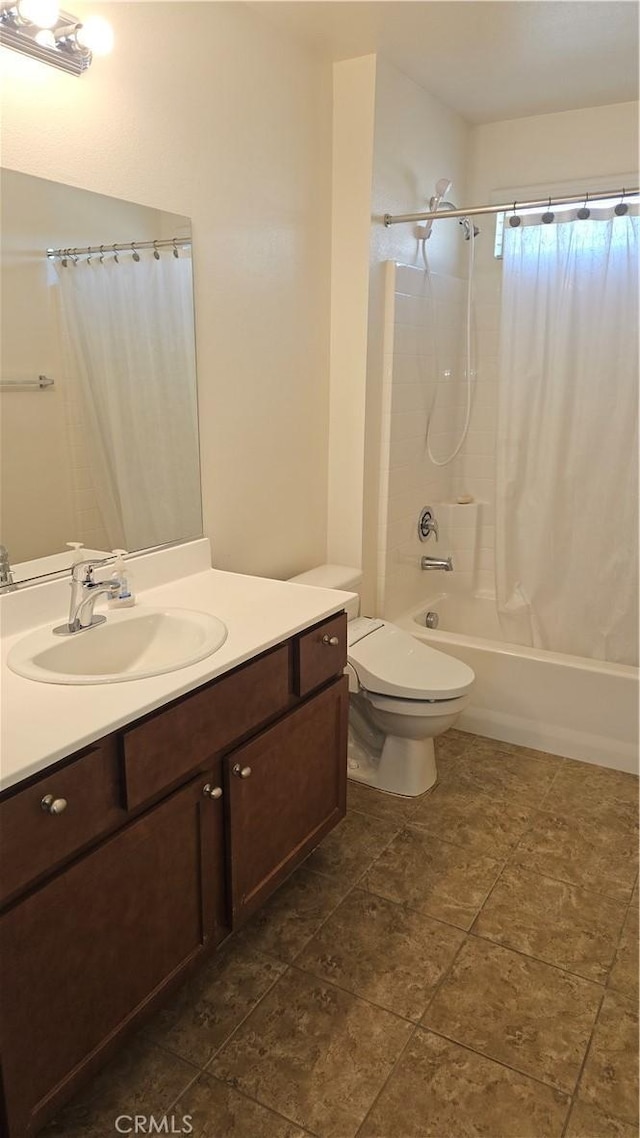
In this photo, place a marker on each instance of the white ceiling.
(487, 59)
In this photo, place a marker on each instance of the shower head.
(442, 187)
(438, 203)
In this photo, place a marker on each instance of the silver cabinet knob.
(53, 805)
(332, 640)
(240, 772)
(212, 791)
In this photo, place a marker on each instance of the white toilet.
(403, 694)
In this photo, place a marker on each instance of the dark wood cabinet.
(320, 654)
(164, 843)
(284, 796)
(58, 815)
(90, 949)
(168, 745)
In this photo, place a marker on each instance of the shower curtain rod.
(509, 207)
(125, 247)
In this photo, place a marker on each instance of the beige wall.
(354, 91)
(568, 146)
(204, 110)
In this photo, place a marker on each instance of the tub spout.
(445, 563)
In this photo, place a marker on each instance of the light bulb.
(96, 34)
(42, 13)
(46, 38)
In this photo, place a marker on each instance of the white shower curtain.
(129, 340)
(567, 456)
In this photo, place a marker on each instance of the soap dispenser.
(124, 598)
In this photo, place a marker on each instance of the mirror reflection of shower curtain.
(128, 338)
(567, 455)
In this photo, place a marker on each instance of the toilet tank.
(334, 577)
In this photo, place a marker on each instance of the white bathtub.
(566, 705)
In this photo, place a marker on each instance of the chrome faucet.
(445, 563)
(6, 576)
(84, 594)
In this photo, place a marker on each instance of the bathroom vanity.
(128, 860)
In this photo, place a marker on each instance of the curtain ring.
(75, 256)
(115, 253)
(514, 220)
(584, 212)
(155, 251)
(548, 216)
(622, 206)
(175, 249)
(64, 261)
(102, 254)
(136, 255)
(89, 255)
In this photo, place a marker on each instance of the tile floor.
(461, 966)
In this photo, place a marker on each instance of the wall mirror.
(98, 402)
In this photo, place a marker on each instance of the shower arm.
(508, 207)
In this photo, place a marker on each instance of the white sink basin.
(131, 645)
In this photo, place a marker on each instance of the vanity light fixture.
(38, 28)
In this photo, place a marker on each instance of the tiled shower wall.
(425, 359)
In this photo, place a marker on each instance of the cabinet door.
(287, 789)
(82, 955)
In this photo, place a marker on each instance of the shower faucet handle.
(427, 524)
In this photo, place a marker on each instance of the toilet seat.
(391, 662)
(418, 707)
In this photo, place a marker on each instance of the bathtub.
(566, 705)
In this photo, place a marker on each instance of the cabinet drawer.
(321, 654)
(34, 840)
(177, 740)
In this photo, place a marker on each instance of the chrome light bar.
(63, 51)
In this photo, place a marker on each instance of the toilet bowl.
(402, 695)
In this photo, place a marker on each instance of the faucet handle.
(427, 524)
(88, 567)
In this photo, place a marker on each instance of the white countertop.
(42, 723)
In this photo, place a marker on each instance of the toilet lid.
(389, 661)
